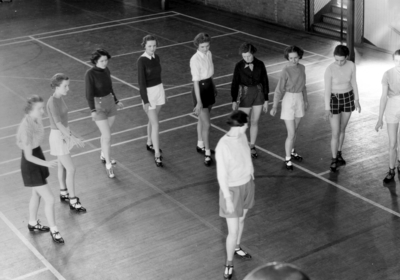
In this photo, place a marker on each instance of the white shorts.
(156, 96)
(292, 106)
(392, 110)
(58, 145)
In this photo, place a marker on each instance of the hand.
(358, 106)
(197, 110)
(235, 106)
(215, 92)
(327, 114)
(166, 99)
(52, 163)
(379, 125)
(305, 105)
(120, 105)
(146, 107)
(273, 111)
(77, 141)
(94, 116)
(229, 205)
(265, 107)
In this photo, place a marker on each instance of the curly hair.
(97, 54)
(293, 49)
(201, 38)
(57, 80)
(148, 38)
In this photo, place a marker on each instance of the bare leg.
(255, 116)
(69, 166)
(392, 132)
(34, 205)
(232, 238)
(48, 197)
(205, 126)
(154, 124)
(335, 125)
(62, 176)
(344, 120)
(104, 127)
(241, 226)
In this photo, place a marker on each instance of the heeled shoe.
(242, 254)
(253, 152)
(340, 159)
(296, 156)
(207, 160)
(151, 148)
(158, 161)
(289, 165)
(38, 227)
(228, 271)
(389, 176)
(203, 150)
(57, 237)
(75, 206)
(64, 197)
(334, 165)
(110, 172)
(103, 160)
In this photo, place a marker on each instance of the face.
(204, 47)
(248, 57)
(340, 60)
(102, 62)
(293, 58)
(150, 47)
(397, 61)
(37, 110)
(63, 88)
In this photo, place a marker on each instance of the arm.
(117, 102)
(265, 87)
(235, 87)
(89, 81)
(328, 92)
(304, 91)
(279, 91)
(29, 157)
(222, 175)
(195, 71)
(355, 89)
(142, 81)
(382, 107)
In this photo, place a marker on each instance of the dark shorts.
(342, 102)
(207, 93)
(250, 96)
(242, 198)
(34, 175)
(105, 107)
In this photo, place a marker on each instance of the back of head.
(237, 118)
(277, 271)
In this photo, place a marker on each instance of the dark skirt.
(207, 93)
(34, 175)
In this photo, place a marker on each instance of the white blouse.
(201, 66)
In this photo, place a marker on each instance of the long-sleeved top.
(243, 75)
(149, 73)
(292, 79)
(234, 164)
(98, 84)
(30, 132)
(201, 66)
(57, 111)
(391, 79)
(340, 79)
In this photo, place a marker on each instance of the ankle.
(108, 165)
(200, 143)
(208, 152)
(33, 222)
(53, 229)
(229, 262)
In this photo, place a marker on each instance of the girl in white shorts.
(292, 84)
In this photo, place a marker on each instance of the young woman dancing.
(152, 93)
(341, 99)
(235, 173)
(390, 106)
(204, 92)
(292, 84)
(249, 89)
(34, 167)
(102, 102)
(62, 140)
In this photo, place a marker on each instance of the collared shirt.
(391, 79)
(57, 111)
(201, 66)
(145, 54)
(30, 132)
(149, 73)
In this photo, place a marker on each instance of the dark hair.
(341, 50)
(396, 53)
(31, 101)
(237, 118)
(97, 54)
(57, 80)
(201, 38)
(247, 47)
(293, 49)
(148, 38)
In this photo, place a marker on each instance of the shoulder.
(141, 59)
(260, 62)
(302, 67)
(157, 57)
(50, 101)
(90, 71)
(194, 57)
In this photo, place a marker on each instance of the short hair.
(237, 118)
(341, 50)
(293, 49)
(148, 38)
(247, 47)
(97, 54)
(57, 80)
(31, 101)
(276, 271)
(201, 38)
(396, 53)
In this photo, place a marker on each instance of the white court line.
(31, 247)
(13, 92)
(31, 274)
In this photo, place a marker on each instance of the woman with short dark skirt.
(390, 106)
(341, 99)
(102, 103)
(35, 169)
(152, 93)
(250, 89)
(291, 84)
(235, 174)
(204, 92)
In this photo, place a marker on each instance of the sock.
(102, 155)
(63, 192)
(33, 223)
(72, 201)
(288, 158)
(53, 229)
(200, 144)
(292, 150)
(208, 152)
(108, 165)
(229, 262)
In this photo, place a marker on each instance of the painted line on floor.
(28, 275)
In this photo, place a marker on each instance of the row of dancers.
(249, 91)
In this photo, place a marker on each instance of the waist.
(293, 92)
(206, 80)
(237, 182)
(397, 97)
(110, 95)
(342, 93)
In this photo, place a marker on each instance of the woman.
(292, 84)
(341, 98)
(204, 92)
(102, 103)
(34, 167)
(62, 140)
(152, 93)
(390, 105)
(251, 79)
(235, 177)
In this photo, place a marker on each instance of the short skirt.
(207, 93)
(34, 175)
(156, 96)
(105, 107)
(59, 146)
(342, 102)
(242, 198)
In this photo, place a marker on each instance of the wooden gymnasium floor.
(163, 223)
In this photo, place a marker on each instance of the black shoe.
(203, 150)
(242, 254)
(289, 165)
(57, 237)
(228, 271)
(38, 227)
(340, 159)
(158, 161)
(75, 206)
(296, 156)
(103, 160)
(253, 152)
(64, 197)
(207, 160)
(334, 165)
(151, 148)
(389, 176)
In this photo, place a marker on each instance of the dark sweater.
(244, 76)
(98, 84)
(149, 74)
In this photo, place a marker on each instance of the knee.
(71, 169)
(233, 234)
(393, 145)
(335, 134)
(254, 123)
(50, 200)
(206, 125)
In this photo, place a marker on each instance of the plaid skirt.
(342, 102)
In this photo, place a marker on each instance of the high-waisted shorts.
(342, 102)
(392, 111)
(156, 96)
(59, 145)
(207, 93)
(34, 175)
(105, 107)
(250, 96)
(292, 106)
(242, 198)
